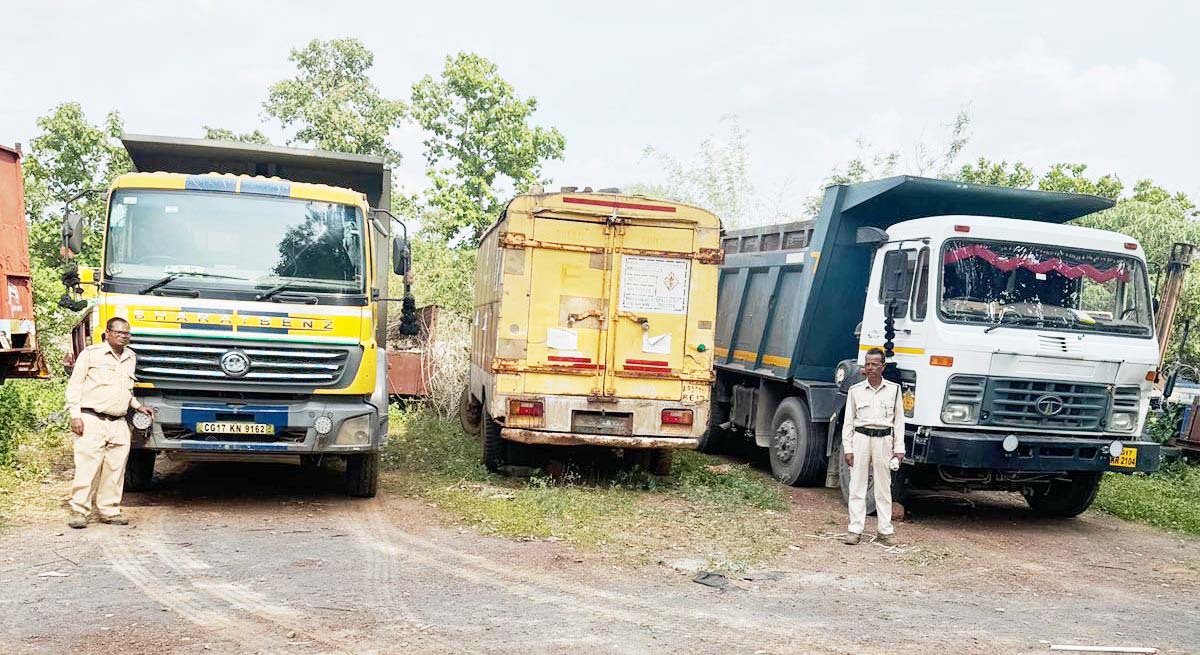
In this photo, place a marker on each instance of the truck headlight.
(141, 421)
(354, 431)
(959, 413)
(1122, 421)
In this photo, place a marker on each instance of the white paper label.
(560, 339)
(171, 209)
(659, 344)
(655, 285)
(129, 200)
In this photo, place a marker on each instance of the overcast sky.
(1111, 84)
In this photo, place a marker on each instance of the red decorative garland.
(1007, 264)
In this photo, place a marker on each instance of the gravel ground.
(270, 559)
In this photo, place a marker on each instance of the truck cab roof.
(1004, 229)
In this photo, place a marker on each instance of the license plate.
(232, 427)
(593, 423)
(1128, 459)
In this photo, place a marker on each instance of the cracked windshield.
(224, 240)
(1018, 284)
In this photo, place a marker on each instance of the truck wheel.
(1065, 498)
(797, 456)
(469, 413)
(362, 475)
(495, 449)
(139, 469)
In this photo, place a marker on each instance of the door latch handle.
(644, 322)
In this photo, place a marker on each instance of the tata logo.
(1050, 405)
(235, 363)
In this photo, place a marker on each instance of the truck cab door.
(902, 283)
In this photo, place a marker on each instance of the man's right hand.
(849, 457)
(77, 426)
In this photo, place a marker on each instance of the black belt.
(874, 432)
(103, 417)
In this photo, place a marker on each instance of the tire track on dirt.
(199, 574)
(384, 539)
(122, 556)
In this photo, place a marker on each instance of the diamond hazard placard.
(655, 285)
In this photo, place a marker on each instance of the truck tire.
(469, 413)
(1065, 498)
(362, 475)
(797, 455)
(495, 449)
(139, 469)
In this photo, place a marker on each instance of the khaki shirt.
(102, 381)
(870, 407)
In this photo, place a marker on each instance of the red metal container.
(19, 356)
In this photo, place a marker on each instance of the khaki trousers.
(871, 457)
(100, 456)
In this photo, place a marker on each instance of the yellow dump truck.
(593, 325)
(255, 295)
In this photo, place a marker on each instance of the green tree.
(868, 164)
(986, 171)
(717, 179)
(1071, 178)
(1147, 191)
(332, 102)
(222, 134)
(479, 136)
(68, 156)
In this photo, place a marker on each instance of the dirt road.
(254, 559)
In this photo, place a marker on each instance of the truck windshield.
(234, 240)
(1046, 287)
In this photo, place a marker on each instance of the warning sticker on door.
(655, 285)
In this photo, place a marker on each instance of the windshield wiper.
(275, 289)
(167, 279)
(1020, 320)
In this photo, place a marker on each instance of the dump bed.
(791, 295)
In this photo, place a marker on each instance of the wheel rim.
(786, 438)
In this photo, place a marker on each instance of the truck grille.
(300, 365)
(1045, 404)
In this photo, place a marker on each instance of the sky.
(1114, 85)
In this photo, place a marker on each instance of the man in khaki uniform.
(99, 395)
(872, 436)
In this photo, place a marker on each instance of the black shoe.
(115, 519)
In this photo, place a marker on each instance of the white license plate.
(232, 427)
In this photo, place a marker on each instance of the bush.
(29, 409)
(1167, 499)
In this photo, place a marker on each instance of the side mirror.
(895, 291)
(1169, 387)
(72, 233)
(870, 236)
(400, 256)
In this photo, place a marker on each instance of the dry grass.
(33, 488)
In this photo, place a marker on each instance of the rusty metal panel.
(406, 373)
(19, 355)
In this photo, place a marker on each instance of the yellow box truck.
(593, 325)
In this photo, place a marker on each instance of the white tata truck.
(1025, 348)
